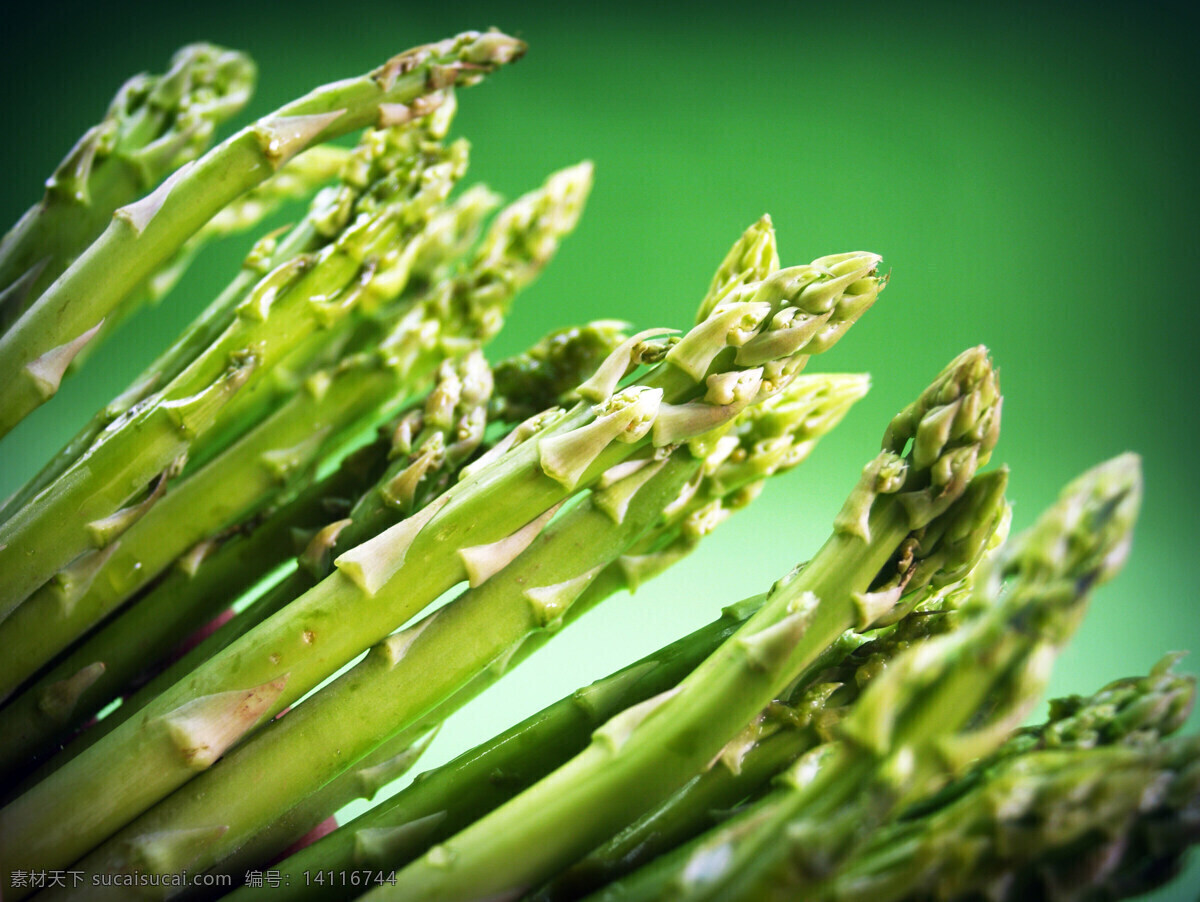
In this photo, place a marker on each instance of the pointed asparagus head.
(779, 432)
(778, 322)
(1135, 711)
(933, 448)
(158, 123)
(452, 232)
(1084, 538)
(939, 555)
(752, 258)
(451, 429)
(996, 666)
(523, 238)
(464, 59)
(379, 154)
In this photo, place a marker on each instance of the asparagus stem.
(385, 581)
(298, 178)
(468, 308)
(454, 795)
(144, 235)
(783, 731)
(328, 215)
(641, 756)
(547, 373)
(197, 589)
(154, 125)
(403, 676)
(390, 761)
(937, 708)
(239, 483)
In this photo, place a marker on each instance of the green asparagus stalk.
(154, 125)
(784, 730)
(144, 235)
(1053, 813)
(640, 757)
(324, 346)
(402, 677)
(208, 578)
(203, 583)
(418, 669)
(549, 371)
(445, 800)
(299, 177)
(271, 459)
(87, 508)
(328, 215)
(408, 566)
(817, 404)
(937, 708)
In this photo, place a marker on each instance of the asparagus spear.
(643, 755)
(385, 278)
(816, 405)
(299, 177)
(202, 584)
(145, 234)
(548, 373)
(408, 566)
(401, 678)
(468, 308)
(418, 669)
(154, 125)
(933, 711)
(85, 510)
(1054, 813)
(327, 217)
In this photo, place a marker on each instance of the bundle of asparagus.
(216, 603)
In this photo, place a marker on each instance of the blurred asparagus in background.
(1095, 803)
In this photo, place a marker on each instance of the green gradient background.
(1028, 174)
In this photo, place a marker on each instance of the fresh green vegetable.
(647, 752)
(255, 586)
(938, 707)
